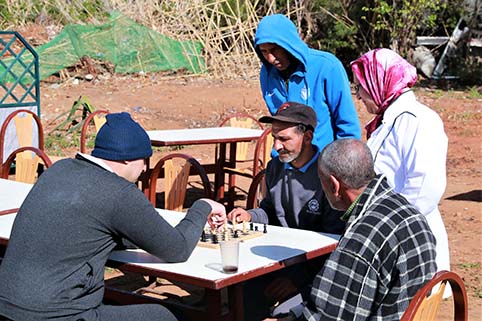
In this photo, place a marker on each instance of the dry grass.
(226, 28)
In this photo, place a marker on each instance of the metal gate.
(19, 84)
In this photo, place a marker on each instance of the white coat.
(410, 148)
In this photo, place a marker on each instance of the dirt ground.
(164, 104)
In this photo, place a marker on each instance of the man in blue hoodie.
(292, 71)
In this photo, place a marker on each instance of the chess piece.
(244, 227)
(235, 234)
(256, 229)
(264, 229)
(203, 237)
(215, 238)
(251, 226)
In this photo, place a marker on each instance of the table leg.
(231, 163)
(214, 305)
(219, 179)
(236, 302)
(214, 302)
(220, 162)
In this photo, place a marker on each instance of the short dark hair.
(349, 160)
(302, 128)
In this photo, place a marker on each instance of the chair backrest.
(262, 151)
(98, 117)
(424, 305)
(257, 190)
(175, 169)
(27, 160)
(23, 120)
(241, 120)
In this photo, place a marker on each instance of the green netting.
(129, 46)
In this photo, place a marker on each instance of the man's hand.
(239, 215)
(217, 217)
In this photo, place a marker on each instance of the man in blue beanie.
(75, 215)
(291, 71)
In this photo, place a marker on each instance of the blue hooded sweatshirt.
(320, 81)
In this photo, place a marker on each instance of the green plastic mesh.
(129, 46)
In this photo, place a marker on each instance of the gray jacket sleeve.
(139, 222)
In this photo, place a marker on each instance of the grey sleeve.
(140, 223)
(259, 215)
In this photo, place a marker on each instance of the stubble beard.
(287, 158)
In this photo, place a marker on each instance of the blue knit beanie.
(121, 138)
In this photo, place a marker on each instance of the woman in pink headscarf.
(407, 138)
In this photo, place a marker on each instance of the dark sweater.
(72, 219)
(296, 199)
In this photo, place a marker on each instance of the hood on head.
(280, 30)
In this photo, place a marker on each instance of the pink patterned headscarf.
(384, 75)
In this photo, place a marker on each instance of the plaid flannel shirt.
(386, 254)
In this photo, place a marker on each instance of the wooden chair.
(23, 119)
(98, 117)
(257, 190)
(242, 120)
(27, 160)
(262, 151)
(425, 305)
(244, 159)
(262, 155)
(175, 169)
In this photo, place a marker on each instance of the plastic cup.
(229, 255)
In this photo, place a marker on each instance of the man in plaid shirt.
(386, 254)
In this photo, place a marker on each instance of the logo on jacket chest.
(314, 206)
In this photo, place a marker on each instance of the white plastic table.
(278, 248)
(12, 194)
(201, 136)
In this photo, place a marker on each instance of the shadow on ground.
(474, 196)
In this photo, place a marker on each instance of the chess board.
(242, 232)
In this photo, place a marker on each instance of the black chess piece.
(264, 229)
(251, 226)
(203, 237)
(256, 229)
(215, 239)
(235, 234)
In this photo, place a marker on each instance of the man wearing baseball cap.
(294, 195)
(78, 211)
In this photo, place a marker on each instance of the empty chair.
(425, 305)
(20, 132)
(244, 159)
(242, 120)
(98, 117)
(262, 155)
(26, 160)
(262, 151)
(175, 170)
